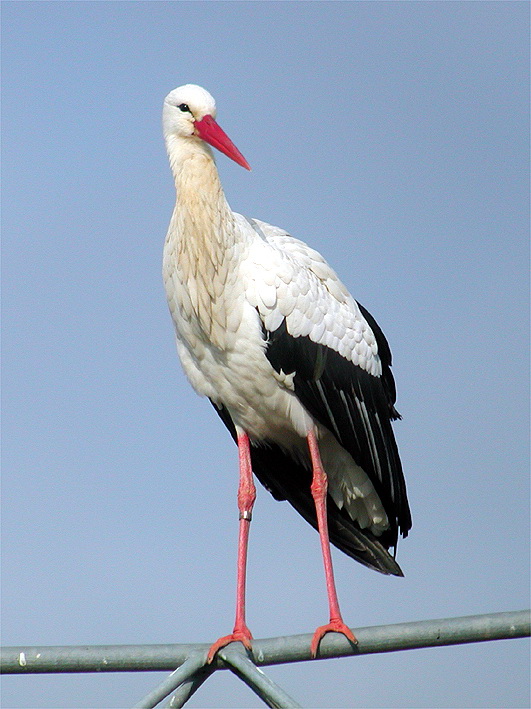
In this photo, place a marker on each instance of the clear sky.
(393, 137)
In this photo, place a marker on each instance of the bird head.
(189, 113)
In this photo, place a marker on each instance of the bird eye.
(184, 107)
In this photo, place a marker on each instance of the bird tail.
(286, 479)
(344, 533)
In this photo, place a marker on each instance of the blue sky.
(393, 137)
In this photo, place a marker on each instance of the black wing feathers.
(384, 352)
(354, 405)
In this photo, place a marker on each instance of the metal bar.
(400, 636)
(94, 658)
(273, 695)
(271, 651)
(189, 687)
(170, 684)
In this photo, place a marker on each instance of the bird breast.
(200, 278)
(221, 344)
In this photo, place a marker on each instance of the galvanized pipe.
(273, 695)
(271, 651)
(195, 661)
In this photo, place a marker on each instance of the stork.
(298, 371)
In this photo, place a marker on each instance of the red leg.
(319, 488)
(246, 498)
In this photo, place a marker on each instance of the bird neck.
(203, 220)
(201, 235)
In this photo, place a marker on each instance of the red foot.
(242, 635)
(335, 626)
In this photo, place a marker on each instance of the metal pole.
(189, 687)
(94, 658)
(170, 684)
(271, 651)
(273, 695)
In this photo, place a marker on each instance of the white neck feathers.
(202, 231)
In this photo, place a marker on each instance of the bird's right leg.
(319, 489)
(246, 498)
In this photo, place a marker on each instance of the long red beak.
(209, 131)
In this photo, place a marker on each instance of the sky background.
(392, 137)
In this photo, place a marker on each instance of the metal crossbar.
(192, 669)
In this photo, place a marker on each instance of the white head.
(183, 106)
(188, 114)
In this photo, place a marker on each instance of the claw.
(335, 626)
(242, 635)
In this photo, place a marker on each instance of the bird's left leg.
(319, 489)
(246, 498)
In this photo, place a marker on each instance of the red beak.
(209, 131)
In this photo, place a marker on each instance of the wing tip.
(361, 544)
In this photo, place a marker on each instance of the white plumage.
(268, 332)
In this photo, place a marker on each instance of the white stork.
(298, 371)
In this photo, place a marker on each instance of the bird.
(298, 371)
